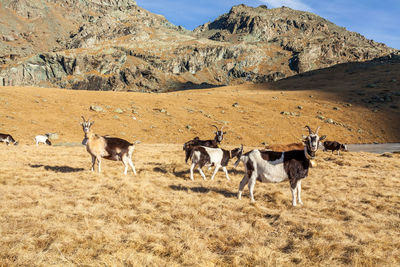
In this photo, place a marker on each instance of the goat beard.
(84, 141)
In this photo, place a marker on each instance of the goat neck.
(309, 153)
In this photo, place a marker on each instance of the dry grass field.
(54, 211)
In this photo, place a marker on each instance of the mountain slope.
(353, 103)
(116, 45)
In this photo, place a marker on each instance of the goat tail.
(131, 148)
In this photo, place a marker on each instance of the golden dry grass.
(54, 211)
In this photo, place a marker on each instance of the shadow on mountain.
(373, 85)
(191, 86)
(374, 75)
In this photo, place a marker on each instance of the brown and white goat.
(218, 157)
(282, 148)
(219, 136)
(275, 167)
(6, 138)
(111, 148)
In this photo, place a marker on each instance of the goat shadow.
(186, 173)
(63, 169)
(159, 167)
(203, 190)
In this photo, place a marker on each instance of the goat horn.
(215, 126)
(309, 129)
(83, 118)
(222, 127)
(316, 131)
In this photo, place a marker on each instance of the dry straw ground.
(54, 211)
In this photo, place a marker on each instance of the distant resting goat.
(111, 148)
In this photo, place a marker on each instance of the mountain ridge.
(116, 45)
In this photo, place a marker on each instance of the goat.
(219, 136)
(6, 138)
(282, 148)
(107, 147)
(275, 167)
(42, 139)
(202, 155)
(333, 145)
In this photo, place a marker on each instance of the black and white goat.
(275, 167)
(111, 148)
(218, 157)
(333, 146)
(43, 139)
(219, 136)
(6, 138)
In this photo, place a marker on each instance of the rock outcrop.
(116, 45)
(313, 41)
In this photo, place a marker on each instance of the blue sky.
(375, 19)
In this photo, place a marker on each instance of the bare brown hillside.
(352, 104)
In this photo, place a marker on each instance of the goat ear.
(322, 137)
(224, 132)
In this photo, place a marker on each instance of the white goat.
(42, 139)
(202, 155)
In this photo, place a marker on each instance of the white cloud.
(295, 4)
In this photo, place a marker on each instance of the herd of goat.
(272, 164)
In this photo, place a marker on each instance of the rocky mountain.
(116, 45)
(313, 41)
